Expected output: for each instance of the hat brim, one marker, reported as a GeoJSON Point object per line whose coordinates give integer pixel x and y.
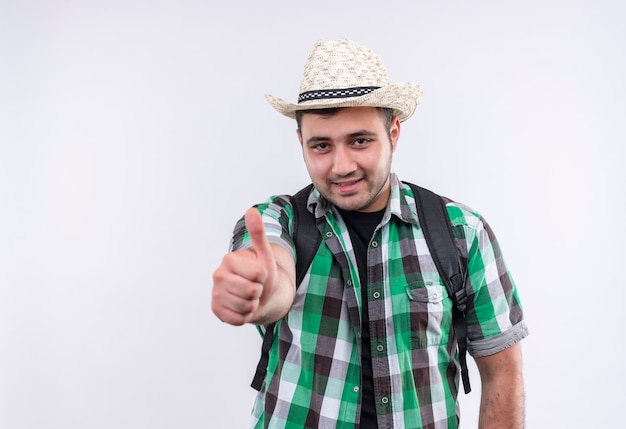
{"type": "Point", "coordinates": [402, 98]}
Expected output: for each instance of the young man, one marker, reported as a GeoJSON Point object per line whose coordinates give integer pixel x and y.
{"type": "Point", "coordinates": [366, 340]}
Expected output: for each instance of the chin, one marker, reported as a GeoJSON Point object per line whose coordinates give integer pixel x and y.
{"type": "Point", "coordinates": [354, 202]}
{"type": "Point", "coordinates": [350, 205]}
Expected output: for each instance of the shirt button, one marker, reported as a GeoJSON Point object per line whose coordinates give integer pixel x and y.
{"type": "Point", "coordinates": [384, 400]}
{"type": "Point", "coordinates": [380, 348]}
{"type": "Point", "coordinates": [356, 389]}
{"type": "Point", "coordinates": [376, 295]}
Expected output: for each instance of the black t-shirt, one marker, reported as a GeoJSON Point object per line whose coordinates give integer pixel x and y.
{"type": "Point", "coordinates": [361, 227]}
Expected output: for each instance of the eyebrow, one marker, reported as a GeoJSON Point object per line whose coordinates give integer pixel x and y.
{"type": "Point", "coordinates": [360, 133]}
{"type": "Point", "coordinates": [317, 139]}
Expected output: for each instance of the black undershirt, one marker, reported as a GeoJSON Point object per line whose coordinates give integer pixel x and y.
{"type": "Point", "coordinates": [361, 227]}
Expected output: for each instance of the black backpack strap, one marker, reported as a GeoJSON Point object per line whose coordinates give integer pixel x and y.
{"type": "Point", "coordinates": [306, 236]}
{"type": "Point", "coordinates": [306, 239]}
{"type": "Point", "coordinates": [437, 228]}
{"type": "Point", "coordinates": [261, 368]}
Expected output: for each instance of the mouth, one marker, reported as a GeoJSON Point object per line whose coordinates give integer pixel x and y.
{"type": "Point", "coordinates": [348, 186]}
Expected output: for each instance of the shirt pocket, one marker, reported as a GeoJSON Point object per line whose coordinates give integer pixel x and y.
{"type": "Point", "coordinates": [430, 314]}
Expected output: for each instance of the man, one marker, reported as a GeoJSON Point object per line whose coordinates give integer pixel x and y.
{"type": "Point", "coordinates": [366, 339]}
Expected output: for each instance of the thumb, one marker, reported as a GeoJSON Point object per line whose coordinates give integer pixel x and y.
{"type": "Point", "coordinates": [260, 244]}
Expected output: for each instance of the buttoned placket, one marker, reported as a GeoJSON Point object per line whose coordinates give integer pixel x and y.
{"type": "Point", "coordinates": [334, 244]}
{"type": "Point", "coordinates": [376, 306]}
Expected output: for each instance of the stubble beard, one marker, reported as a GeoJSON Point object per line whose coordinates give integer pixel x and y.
{"type": "Point", "coordinates": [345, 204]}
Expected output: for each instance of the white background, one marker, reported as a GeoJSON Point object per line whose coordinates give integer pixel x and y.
{"type": "Point", "coordinates": [134, 133]}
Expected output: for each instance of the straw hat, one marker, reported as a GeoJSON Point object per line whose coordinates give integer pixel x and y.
{"type": "Point", "coordinates": [342, 73]}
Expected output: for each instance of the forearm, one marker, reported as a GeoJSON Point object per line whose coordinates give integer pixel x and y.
{"type": "Point", "coordinates": [502, 399]}
{"type": "Point", "coordinates": [502, 404]}
{"type": "Point", "coordinates": [277, 300]}
{"type": "Point", "coordinates": [276, 305]}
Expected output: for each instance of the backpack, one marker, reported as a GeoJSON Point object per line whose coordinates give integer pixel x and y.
{"type": "Point", "coordinates": [435, 222]}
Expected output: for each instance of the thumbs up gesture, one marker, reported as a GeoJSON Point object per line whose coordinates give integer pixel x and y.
{"type": "Point", "coordinates": [246, 280]}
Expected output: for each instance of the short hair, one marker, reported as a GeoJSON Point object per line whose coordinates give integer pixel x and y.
{"type": "Point", "coordinates": [386, 113]}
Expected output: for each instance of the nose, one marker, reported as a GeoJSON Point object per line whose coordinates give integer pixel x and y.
{"type": "Point", "coordinates": [343, 163]}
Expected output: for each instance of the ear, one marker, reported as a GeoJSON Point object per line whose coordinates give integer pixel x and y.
{"type": "Point", "coordinates": [394, 133]}
{"type": "Point", "coordinates": [299, 134]}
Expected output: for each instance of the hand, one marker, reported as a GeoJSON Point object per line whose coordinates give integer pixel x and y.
{"type": "Point", "coordinates": [245, 277]}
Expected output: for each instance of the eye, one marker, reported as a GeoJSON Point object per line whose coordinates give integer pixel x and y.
{"type": "Point", "coordinates": [320, 147]}
{"type": "Point", "coordinates": [361, 141]}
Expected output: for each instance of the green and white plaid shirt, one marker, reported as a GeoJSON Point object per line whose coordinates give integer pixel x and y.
{"type": "Point", "coordinates": [314, 371]}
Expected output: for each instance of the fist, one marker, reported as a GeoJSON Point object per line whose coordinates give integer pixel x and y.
{"type": "Point", "coordinates": [245, 277]}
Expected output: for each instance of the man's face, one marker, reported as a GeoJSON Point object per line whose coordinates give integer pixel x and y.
{"type": "Point", "coordinates": [348, 156]}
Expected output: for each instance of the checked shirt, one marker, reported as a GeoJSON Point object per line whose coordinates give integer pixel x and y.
{"type": "Point", "coordinates": [314, 376]}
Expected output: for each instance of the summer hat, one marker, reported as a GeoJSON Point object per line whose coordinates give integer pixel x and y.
{"type": "Point", "coordinates": [342, 73]}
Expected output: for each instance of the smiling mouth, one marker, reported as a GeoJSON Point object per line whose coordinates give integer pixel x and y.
{"type": "Point", "coordinates": [351, 183]}
{"type": "Point", "coordinates": [348, 186]}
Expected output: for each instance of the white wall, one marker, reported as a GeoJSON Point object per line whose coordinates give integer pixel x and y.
{"type": "Point", "coordinates": [134, 133]}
